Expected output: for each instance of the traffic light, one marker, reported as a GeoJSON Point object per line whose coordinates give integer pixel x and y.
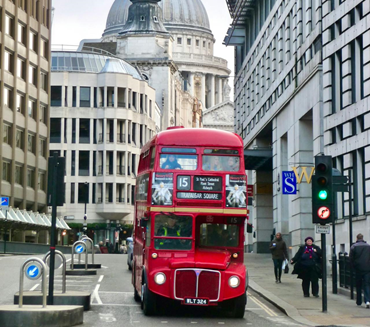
{"type": "Point", "coordinates": [322, 191]}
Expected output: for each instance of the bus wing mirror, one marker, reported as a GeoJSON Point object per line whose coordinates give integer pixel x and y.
{"type": "Point", "coordinates": [249, 229]}
{"type": "Point", "coordinates": [143, 222]}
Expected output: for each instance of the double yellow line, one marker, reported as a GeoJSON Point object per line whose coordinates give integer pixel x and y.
{"type": "Point", "coordinates": [263, 306]}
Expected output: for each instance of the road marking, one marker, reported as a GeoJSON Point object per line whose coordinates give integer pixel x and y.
{"type": "Point", "coordinates": [116, 305]}
{"type": "Point", "coordinates": [33, 288]}
{"type": "Point", "coordinates": [95, 295]}
{"type": "Point", "coordinates": [164, 322]}
{"type": "Point", "coordinates": [193, 322]}
{"type": "Point", "coordinates": [100, 278]}
{"type": "Point", "coordinates": [254, 309]}
{"type": "Point", "coordinates": [221, 323]}
{"type": "Point", "coordinates": [104, 267]}
{"type": "Point", "coordinates": [107, 317]}
{"type": "Point", "coordinates": [108, 292]}
{"type": "Point", "coordinates": [264, 307]}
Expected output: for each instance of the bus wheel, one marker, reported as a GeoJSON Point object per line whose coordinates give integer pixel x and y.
{"type": "Point", "coordinates": [239, 306]}
{"type": "Point", "coordinates": [149, 301]}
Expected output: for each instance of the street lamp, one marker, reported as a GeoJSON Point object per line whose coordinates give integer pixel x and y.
{"type": "Point", "coordinates": [5, 228]}
{"type": "Point", "coordinates": [86, 200]}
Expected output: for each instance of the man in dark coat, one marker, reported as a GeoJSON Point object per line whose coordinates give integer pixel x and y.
{"type": "Point", "coordinates": [308, 266]}
{"type": "Point", "coordinates": [360, 260]}
{"type": "Point", "coordinates": [279, 254]}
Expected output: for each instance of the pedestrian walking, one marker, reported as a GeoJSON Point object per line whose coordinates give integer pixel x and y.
{"type": "Point", "coordinates": [360, 260]}
{"type": "Point", "coordinates": [308, 266]}
{"type": "Point", "coordinates": [279, 254]}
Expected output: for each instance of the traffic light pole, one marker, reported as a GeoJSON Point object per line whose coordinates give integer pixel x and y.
{"type": "Point", "coordinates": [53, 227]}
{"type": "Point", "coordinates": [324, 275]}
{"type": "Point", "coordinates": [350, 226]}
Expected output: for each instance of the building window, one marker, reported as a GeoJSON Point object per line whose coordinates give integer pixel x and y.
{"type": "Point", "coordinates": [31, 143]}
{"type": "Point", "coordinates": [84, 163]}
{"type": "Point", "coordinates": [31, 108]}
{"type": "Point", "coordinates": [209, 45]}
{"type": "Point", "coordinates": [22, 34]}
{"type": "Point", "coordinates": [21, 68]}
{"type": "Point", "coordinates": [56, 96]}
{"type": "Point", "coordinates": [19, 139]}
{"type": "Point", "coordinates": [9, 62]}
{"type": "Point", "coordinates": [155, 19]}
{"type": "Point", "coordinates": [197, 43]}
{"type": "Point", "coordinates": [42, 149]}
{"type": "Point", "coordinates": [7, 134]}
{"type": "Point", "coordinates": [19, 175]}
{"type": "Point", "coordinates": [179, 40]}
{"type": "Point", "coordinates": [55, 130]}
{"type": "Point", "coordinates": [20, 103]}
{"type": "Point", "coordinates": [83, 193]}
{"type": "Point", "coordinates": [44, 48]}
{"type": "Point", "coordinates": [44, 81]}
{"type": "Point", "coordinates": [84, 97]}
{"type": "Point", "coordinates": [6, 171]}
{"type": "Point", "coordinates": [142, 18]}
{"type": "Point", "coordinates": [9, 26]}
{"type": "Point", "coordinates": [189, 41]}
{"type": "Point", "coordinates": [42, 181]}
{"type": "Point", "coordinates": [8, 96]}
{"type": "Point", "coordinates": [204, 44]}
{"type": "Point", "coordinates": [30, 177]}
{"type": "Point", "coordinates": [32, 75]}
{"type": "Point", "coordinates": [42, 113]}
{"type": "Point", "coordinates": [85, 131]}
{"type": "Point", "coordinates": [33, 42]}
{"type": "Point", "coordinates": [72, 192]}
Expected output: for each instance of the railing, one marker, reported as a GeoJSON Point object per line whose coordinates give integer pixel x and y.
{"type": "Point", "coordinates": [99, 200]}
{"type": "Point", "coordinates": [345, 271]}
{"type": "Point", "coordinates": [109, 137]}
{"type": "Point", "coordinates": [120, 200]}
{"type": "Point", "coordinates": [122, 104]}
{"type": "Point", "coordinates": [200, 57]}
{"type": "Point", "coordinates": [108, 171]}
{"type": "Point", "coordinates": [100, 138]}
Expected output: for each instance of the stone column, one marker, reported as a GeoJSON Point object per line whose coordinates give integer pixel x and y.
{"type": "Point", "coordinates": [219, 94]}
{"type": "Point", "coordinates": [191, 83]}
{"type": "Point", "coordinates": [203, 91]}
{"type": "Point", "coordinates": [211, 91]}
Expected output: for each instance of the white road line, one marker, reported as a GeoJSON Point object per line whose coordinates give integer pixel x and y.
{"type": "Point", "coordinates": [104, 267]}
{"type": "Point", "coordinates": [100, 278]}
{"type": "Point", "coordinates": [116, 305]}
{"type": "Point", "coordinates": [33, 288]}
{"type": "Point", "coordinates": [96, 292]}
{"type": "Point", "coordinates": [68, 260]}
{"type": "Point", "coordinates": [108, 292]}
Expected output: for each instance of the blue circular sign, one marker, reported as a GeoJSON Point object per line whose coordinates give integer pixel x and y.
{"type": "Point", "coordinates": [80, 248]}
{"type": "Point", "coordinates": [33, 271]}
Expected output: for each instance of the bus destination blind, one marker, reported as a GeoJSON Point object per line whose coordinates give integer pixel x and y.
{"type": "Point", "coordinates": [199, 196]}
{"type": "Point", "coordinates": [208, 183]}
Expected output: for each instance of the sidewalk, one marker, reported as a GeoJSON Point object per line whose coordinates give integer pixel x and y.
{"type": "Point", "coordinates": [288, 296]}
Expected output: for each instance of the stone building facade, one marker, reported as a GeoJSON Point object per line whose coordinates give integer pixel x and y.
{"type": "Point", "coordinates": [302, 88]}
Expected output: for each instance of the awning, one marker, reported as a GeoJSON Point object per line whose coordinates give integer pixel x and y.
{"type": "Point", "coordinates": [29, 219]}
{"type": "Point", "coordinates": [258, 159]}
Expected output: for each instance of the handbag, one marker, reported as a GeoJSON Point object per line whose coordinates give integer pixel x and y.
{"type": "Point", "coordinates": [286, 266]}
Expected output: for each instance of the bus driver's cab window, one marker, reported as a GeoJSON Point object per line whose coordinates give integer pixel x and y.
{"type": "Point", "coordinates": [172, 229]}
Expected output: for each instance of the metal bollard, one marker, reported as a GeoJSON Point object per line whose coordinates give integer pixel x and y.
{"type": "Point", "coordinates": [73, 251]}
{"type": "Point", "coordinates": [64, 268]}
{"type": "Point", "coordinates": [92, 246]}
{"type": "Point", "coordinates": [43, 284]}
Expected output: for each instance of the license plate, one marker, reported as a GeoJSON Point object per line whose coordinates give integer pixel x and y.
{"type": "Point", "coordinates": [195, 301]}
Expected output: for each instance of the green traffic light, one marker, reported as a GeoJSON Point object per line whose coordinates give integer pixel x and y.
{"type": "Point", "coordinates": [323, 195]}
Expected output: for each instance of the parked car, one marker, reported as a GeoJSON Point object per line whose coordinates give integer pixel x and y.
{"type": "Point", "coordinates": [130, 251]}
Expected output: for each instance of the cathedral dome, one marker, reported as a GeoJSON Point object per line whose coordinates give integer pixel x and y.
{"type": "Point", "coordinates": [176, 14]}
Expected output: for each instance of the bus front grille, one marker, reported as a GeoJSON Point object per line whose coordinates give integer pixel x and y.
{"type": "Point", "coordinates": [198, 283]}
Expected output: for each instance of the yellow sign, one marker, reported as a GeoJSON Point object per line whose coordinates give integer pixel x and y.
{"type": "Point", "coordinates": [304, 173]}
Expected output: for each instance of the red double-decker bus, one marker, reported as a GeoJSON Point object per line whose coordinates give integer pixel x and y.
{"type": "Point", "coordinates": [190, 211]}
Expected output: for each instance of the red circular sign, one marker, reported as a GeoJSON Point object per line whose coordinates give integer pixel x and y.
{"type": "Point", "coordinates": [323, 212]}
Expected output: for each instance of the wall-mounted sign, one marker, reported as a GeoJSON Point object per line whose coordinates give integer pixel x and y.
{"type": "Point", "coordinates": [289, 182]}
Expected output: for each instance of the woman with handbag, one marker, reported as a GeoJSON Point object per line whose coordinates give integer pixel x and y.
{"type": "Point", "coordinates": [279, 254]}
{"type": "Point", "coordinates": [308, 266]}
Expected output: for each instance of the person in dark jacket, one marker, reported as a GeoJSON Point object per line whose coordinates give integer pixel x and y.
{"type": "Point", "coordinates": [279, 254]}
{"type": "Point", "coordinates": [360, 260]}
{"type": "Point", "coordinates": [308, 266]}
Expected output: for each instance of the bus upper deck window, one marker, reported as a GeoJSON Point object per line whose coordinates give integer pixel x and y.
{"type": "Point", "coordinates": [220, 163]}
{"type": "Point", "coordinates": [152, 158]}
{"type": "Point", "coordinates": [178, 161]}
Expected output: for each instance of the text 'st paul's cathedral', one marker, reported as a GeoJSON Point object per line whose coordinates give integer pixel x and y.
{"type": "Point", "coordinates": [171, 43]}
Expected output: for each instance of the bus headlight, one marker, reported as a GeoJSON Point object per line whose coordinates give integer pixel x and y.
{"type": "Point", "coordinates": [234, 281]}
{"type": "Point", "coordinates": [160, 278]}
{"type": "Point", "coordinates": [235, 255]}
{"type": "Point", "coordinates": [154, 255]}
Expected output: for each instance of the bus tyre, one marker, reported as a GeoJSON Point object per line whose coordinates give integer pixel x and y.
{"type": "Point", "coordinates": [149, 301]}
{"type": "Point", "coordinates": [239, 306]}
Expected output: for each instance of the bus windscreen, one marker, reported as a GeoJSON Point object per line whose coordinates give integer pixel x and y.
{"type": "Point", "coordinates": [220, 163]}
{"type": "Point", "coordinates": [223, 235]}
{"type": "Point", "coordinates": [178, 161]}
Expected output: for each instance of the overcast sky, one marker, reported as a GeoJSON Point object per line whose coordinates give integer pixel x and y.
{"type": "Point", "coordinates": [75, 20]}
